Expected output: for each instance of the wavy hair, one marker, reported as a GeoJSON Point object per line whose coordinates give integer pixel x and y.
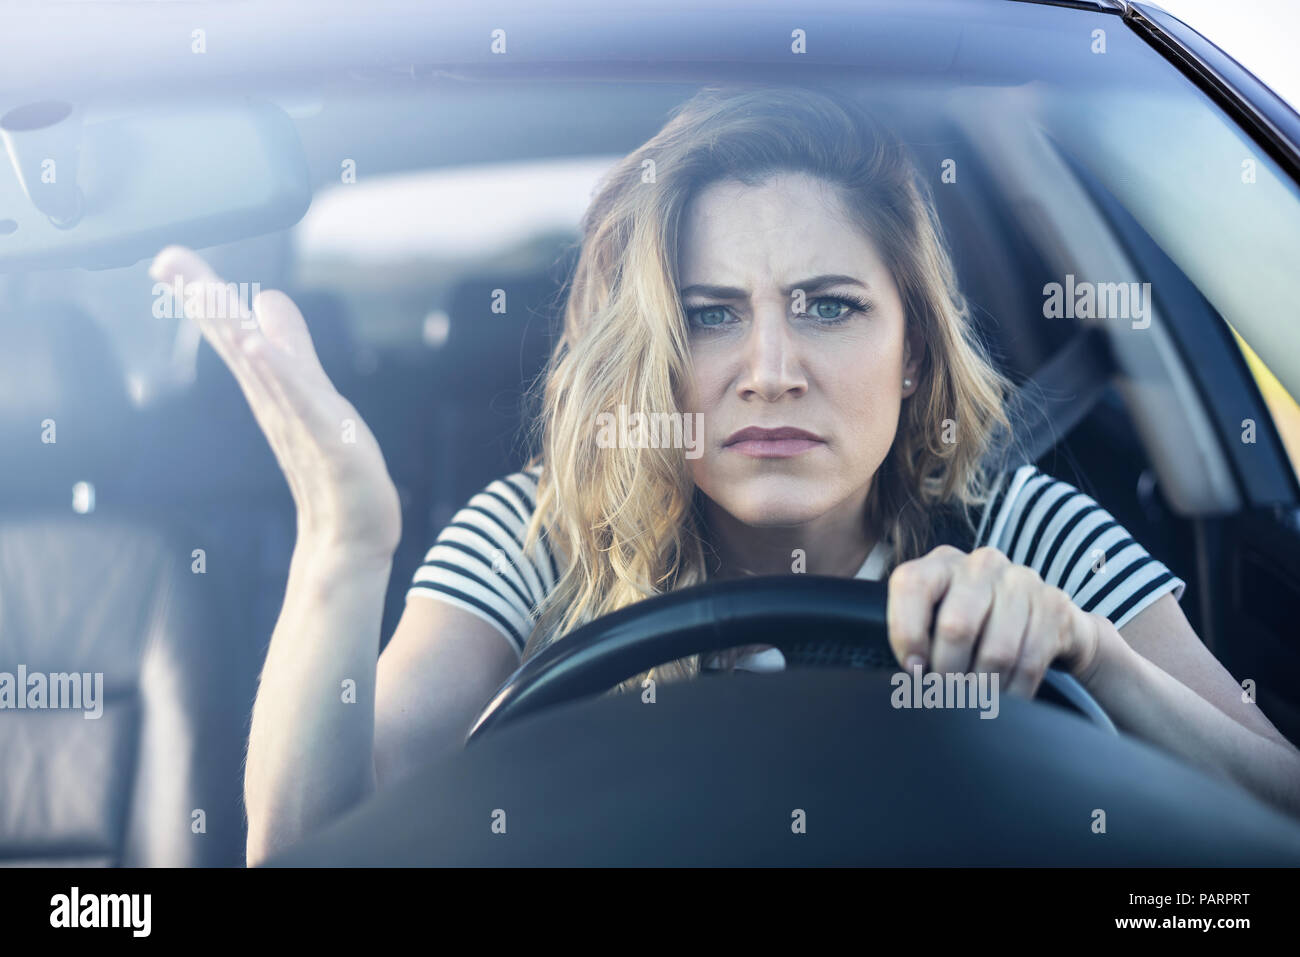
{"type": "Point", "coordinates": [625, 523]}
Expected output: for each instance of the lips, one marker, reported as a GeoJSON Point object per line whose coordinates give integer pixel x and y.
{"type": "Point", "coordinates": [777, 443]}
{"type": "Point", "coordinates": [755, 434]}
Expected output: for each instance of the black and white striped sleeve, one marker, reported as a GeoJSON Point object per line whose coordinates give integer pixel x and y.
{"type": "Point", "coordinates": [477, 562]}
{"type": "Point", "coordinates": [1076, 545]}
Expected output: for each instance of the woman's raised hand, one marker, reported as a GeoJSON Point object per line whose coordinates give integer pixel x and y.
{"type": "Point", "coordinates": [340, 484]}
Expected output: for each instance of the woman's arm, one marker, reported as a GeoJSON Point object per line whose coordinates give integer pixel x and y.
{"type": "Point", "coordinates": [311, 742]}
{"type": "Point", "coordinates": [311, 746]}
{"type": "Point", "coordinates": [1157, 680]}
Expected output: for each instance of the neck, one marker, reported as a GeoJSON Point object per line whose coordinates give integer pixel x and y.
{"type": "Point", "coordinates": [835, 544]}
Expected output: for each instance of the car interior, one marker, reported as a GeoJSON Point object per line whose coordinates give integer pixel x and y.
{"type": "Point", "coordinates": [152, 540]}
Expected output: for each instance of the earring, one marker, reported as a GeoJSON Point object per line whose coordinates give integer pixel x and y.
{"type": "Point", "coordinates": [907, 383]}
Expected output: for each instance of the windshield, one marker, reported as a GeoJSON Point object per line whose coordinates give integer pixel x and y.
{"type": "Point", "coordinates": [422, 186]}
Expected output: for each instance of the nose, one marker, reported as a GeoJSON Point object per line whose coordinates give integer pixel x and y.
{"type": "Point", "coordinates": [772, 363]}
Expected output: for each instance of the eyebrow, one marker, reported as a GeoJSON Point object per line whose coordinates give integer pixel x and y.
{"type": "Point", "coordinates": [807, 285]}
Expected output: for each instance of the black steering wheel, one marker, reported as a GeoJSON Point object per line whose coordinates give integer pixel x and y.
{"type": "Point", "coordinates": [815, 621]}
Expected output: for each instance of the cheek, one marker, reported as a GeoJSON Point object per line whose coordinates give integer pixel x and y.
{"type": "Point", "coordinates": [866, 390]}
{"type": "Point", "coordinates": [699, 396]}
{"type": "Point", "coordinates": [869, 366]}
{"type": "Point", "coordinates": [704, 389]}
{"type": "Point", "coordinates": [868, 410]}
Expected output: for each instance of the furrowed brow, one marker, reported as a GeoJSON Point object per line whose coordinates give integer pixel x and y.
{"type": "Point", "coordinates": [808, 285]}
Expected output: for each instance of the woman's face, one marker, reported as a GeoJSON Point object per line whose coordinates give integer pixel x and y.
{"type": "Point", "coordinates": [750, 258]}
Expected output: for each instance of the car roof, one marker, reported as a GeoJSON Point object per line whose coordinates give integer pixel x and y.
{"type": "Point", "coordinates": [108, 48]}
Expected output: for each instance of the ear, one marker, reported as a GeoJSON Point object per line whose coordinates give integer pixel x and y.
{"type": "Point", "coordinates": [913, 353]}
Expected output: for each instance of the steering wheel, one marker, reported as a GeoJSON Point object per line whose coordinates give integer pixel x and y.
{"type": "Point", "coordinates": [815, 621]}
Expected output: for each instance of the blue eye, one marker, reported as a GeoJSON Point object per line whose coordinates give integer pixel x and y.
{"type": "Point", "coordinates": [847, 306]}
{"type": "Point", "coordinates": [824, 311]}
{"type": "Point", "coordinates": [839, 304]}
{"type": "Point", "coordinates": [716, 316]}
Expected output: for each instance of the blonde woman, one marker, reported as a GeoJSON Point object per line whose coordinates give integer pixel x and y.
{"type": "Point", "coordinates": [781, 280]}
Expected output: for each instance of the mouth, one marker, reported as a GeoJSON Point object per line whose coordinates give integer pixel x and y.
{"type": "Point", "coordinates": [772, 443]}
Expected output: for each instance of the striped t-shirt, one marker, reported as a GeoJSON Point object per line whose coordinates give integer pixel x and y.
{"type": "Point", "coordinates": [477, 562]}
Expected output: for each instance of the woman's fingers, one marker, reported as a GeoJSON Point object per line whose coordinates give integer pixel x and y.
{"type": "Point", "coordinates": [207, 301]}
{"type": "Point", "coordinates": [1007, 629]}
{"type": "Point", "coordinates": [915, 588]}
{"type": "Point", "coordinates": [1051, 616]}
{"type": "Point", "coordinates": [332, 463]}
{"type": "Point", "coordinates": [204, 297]}
{"type": "Point", "coordinates": [283, 324]}
{"type": "Point", "coordinates": [234, 333]}
{"type": "Point", "coordinates": [173, 261]}
{"type": "Point", "coordinates": [230, 325]}
{"type": "Point", "coordinates": [964, 610]}
{"type": "Point", "coordinates": [957, 613]}
{"type": "Point", "coordinates": [303, 407]}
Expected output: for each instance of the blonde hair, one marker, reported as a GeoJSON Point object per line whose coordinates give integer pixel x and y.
{"type": "Point", "coordinates": [625, 522]}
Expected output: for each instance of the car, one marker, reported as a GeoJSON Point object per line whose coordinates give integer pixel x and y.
{"type": "Point", "coordinates": [1123, 205]}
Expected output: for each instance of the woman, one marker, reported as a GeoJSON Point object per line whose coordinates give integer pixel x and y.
{"type": "Point", "coordinates": [769, 266]}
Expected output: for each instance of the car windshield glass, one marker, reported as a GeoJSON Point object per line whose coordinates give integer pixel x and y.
{"type": "Point", "coordinates": [1077, 86]}
{"type": "Point", "coordinates": [598, 349]}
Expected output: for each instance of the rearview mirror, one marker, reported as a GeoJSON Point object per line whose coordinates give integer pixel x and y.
{"type": "Point", "coordinates": [108, 193]}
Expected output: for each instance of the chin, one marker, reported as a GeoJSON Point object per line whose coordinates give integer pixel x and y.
{"type": "Point", "coordinates": [776, 500]}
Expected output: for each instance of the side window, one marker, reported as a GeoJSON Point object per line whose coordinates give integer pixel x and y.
{"type": "Point", "coordinates": [1282, 406]}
